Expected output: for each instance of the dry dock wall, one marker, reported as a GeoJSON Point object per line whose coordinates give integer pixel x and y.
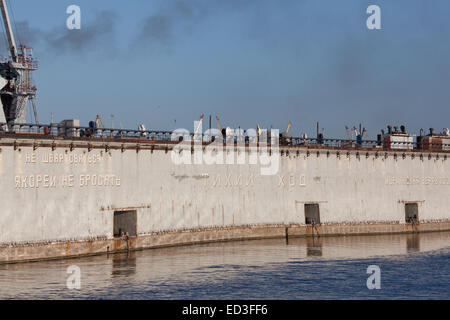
{"type": "Point", "coordinates": [61, 193]}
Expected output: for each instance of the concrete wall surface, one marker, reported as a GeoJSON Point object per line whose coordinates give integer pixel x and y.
{"type": "Point", "coordinates": [61, 193]}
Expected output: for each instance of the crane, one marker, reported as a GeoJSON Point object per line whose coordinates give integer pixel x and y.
{"type": "Point", "coordinates": [359, 136]}
{"type": "Point", "coordinates": [198, 126]}
{"type": "Point", "coordinates": [286, 137]}
{"type": "Point", "coordinates": [288, 127]}
{"type": "Point", "coordinates": [99, 124]}
{"type": "Point", "coordinates": [218, 123]}
{"type": "Point", "coordinates": [16, 88]}
{"type": "Point", "coordinates": [355, 131]}
{"type": "Point", "coordinates": [364, 133]}
{"type": "Point", "coordinates": [348, 133]}
{"type": "Point", "coordinates": [9, 32]}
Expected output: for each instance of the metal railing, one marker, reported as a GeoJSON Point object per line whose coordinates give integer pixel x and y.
{"type": "Point", "coordinates": [87, 133]}
{"type": "Point", "coordinates": [59, 130]}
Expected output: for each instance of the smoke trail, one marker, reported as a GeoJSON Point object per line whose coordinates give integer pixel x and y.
{"type": "Point", "coordinates": [60, 40]}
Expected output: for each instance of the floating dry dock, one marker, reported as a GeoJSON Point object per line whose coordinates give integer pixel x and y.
{"type": "Point", "coordinates": [69, 191]}
{"type": "Point", "coordinates": [65, 196]}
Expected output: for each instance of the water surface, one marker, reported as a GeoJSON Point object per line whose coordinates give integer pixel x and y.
{"type": "Point", "coordinates": [412, 267]}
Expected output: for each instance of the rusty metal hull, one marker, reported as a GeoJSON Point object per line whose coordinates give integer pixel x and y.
{"type": "Point", "coordinates": [74, 249]}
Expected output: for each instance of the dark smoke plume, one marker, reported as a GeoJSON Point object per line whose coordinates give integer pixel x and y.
{"type": "Point", "coordinates": [61, 40]}
{"type": "Point", "coordinates": [160, 27]}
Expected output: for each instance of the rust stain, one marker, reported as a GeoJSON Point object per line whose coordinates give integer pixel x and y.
{"type": "Point", "coordinates": [308, 230]}
{"type": "Point", "coordinates": [117, 244]}
{"type": "Point", "coordinates": [229, 233]}
{"type": "Point", "coordinates": [179, 177]}
{"type": "Point", "coordinates": [133, 242]}
{"type": "Point", "coordinates": [108, 208]}
{"type": "Point", "coordinates": [164, 144]}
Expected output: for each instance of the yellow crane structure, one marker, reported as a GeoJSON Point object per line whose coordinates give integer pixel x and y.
{"type": "Point", "coordinates": [286, 136]}
{"type": "Point", "coordinates": [288, 127]}
{"type": "Point", "coordinates": [218, 124]}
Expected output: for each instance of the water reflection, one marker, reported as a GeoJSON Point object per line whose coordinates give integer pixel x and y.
{"type": "Point", "coordinates": [314, 247]}
{"type": "Point", "coordinates": [152, 270]}
{"type": "Point", "coordinates": [123, 264]}
{"type": "Point", "coordinates": [413, 242]}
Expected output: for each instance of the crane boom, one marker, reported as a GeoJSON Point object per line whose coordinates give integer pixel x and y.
{"type": "Point", "coordinates": [348, 134]}
{"type": "Point", "coordinates": [288, 127]}
{"type": "Point", "coordinates": [218, 124]}
{"type": "Point", "coordinates": [9, 32]}
{"type": "Point", "coordinates": [199, 124]}
{"type": "Point", "coordinates": [99, 122]}
{"type": "Point", "coordinates": [365, 134]}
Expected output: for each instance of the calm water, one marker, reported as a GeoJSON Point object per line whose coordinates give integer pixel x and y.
{"type": "Point", "coordinates": [412, 266]}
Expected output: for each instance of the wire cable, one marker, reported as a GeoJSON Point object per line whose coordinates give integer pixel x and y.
{"type": "Point", "coordinates": [15, 24]}
{"type": "Point", "coordinates": [5, 40]}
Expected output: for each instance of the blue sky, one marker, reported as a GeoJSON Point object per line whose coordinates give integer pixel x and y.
{"type": "Point", "coordinates": [247, 61]}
